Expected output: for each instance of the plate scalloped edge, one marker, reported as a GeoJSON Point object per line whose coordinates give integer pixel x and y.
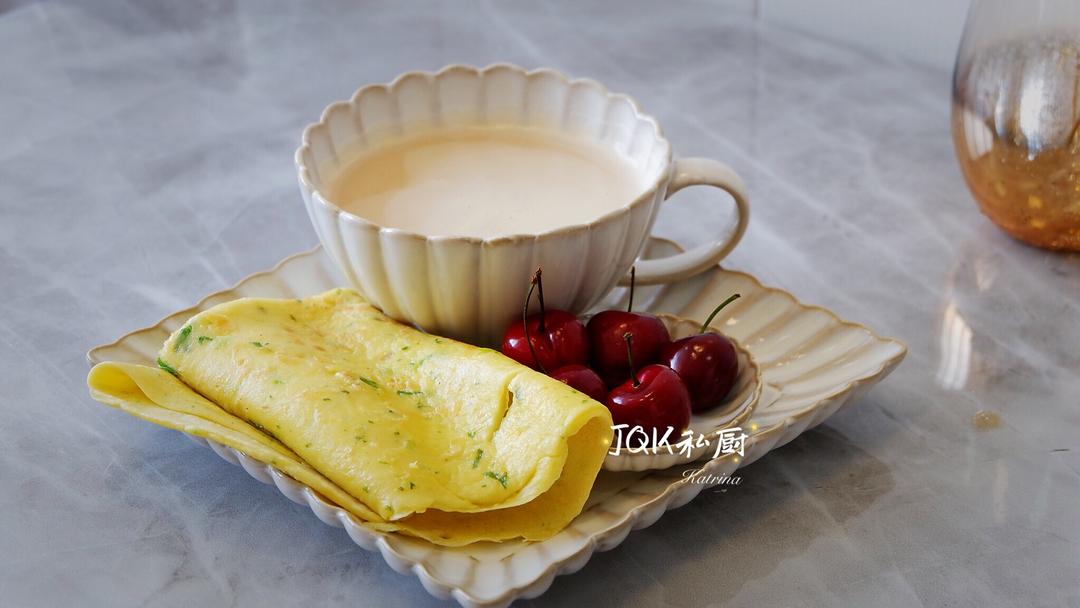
{"type": "Point", "coordinates": [762, 439]}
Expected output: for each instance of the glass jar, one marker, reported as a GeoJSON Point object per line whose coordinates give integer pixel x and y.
{"type": "Point", "coordinates": [1016, 117]}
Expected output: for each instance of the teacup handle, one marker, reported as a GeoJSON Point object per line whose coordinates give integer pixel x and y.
{"type": "Point", "coordinates": [697, 172]}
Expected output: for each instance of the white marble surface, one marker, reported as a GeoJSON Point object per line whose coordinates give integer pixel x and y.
{"type": "Point", "coordinates": [146, 160]}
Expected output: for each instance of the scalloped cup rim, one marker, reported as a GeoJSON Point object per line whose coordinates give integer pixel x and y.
{"type": "Point", "coordinates": [652, 185]}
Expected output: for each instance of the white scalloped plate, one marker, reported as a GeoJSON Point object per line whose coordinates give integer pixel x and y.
{"type": "Point", "coordinates": [812, 364]}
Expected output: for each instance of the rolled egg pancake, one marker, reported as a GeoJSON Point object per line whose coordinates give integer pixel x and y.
{"type": "Point", "coordinates": [416, 433]}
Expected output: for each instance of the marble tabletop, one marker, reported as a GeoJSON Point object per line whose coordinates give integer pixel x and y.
{"type": "Point", "coordinates": [146, 160]}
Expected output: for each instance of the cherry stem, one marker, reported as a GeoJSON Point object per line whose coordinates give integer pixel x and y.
{"type": "Point", "coordinates": [705, 325]}
{"type": "Point", "coordinates": [628, 337]}
{"type": "Point", "coordinates": [630, 304]}
{"type": "Point", "coordinates": [538, 280]}
{"type": "Point", "coordinates": [525, 321]}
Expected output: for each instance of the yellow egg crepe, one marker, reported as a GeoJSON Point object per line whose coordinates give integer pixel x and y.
{"type": "Point", "coordinates": [407, 431]}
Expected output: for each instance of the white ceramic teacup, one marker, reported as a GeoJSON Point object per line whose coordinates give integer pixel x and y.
{"type": "Point", "coordinates": [472, 288]}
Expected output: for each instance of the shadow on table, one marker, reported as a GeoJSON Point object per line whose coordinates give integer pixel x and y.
{"type": "Point", "coordinates": [728, 536]}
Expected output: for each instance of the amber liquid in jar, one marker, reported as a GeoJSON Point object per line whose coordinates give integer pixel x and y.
{"type": "Point", "coordinates": [1016, 126]}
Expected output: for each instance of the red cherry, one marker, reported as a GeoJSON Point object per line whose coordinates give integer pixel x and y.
{"type": "Point", "coordinates": [582, 379]}
{"type": "Point", "coordinates": [607, 343]}
{"type": "Point", "coordinates": [655, 400]}
{"type": "Point", "coordinates": [547, 340]}
{"type": "Point", "coordinates": [606, 330]}
{"type": "Point", "coordinates": [558, 338]}
{"type": "Point", "coordinates": [707, 363]}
